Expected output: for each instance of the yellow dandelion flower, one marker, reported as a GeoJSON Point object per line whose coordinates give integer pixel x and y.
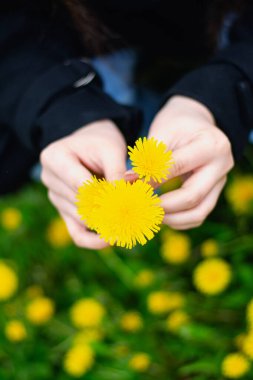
{"type": "Point", "coordinates": [234, 366]}
{"type": "Point", "coordinates": [11, 218]}
{"type": "Point", "coordinates": [89, 200]}
{"type": "Point", "coordinates": [176, 248]}
{"type": "Point", "coordinates": [140, 362]}
{"type": "Point", "coordinates": [40, 310]}
{"type": "Point", "coordinates": [78, 360]}
{"type": "Point", "coordinates": [57, 233]}
{"type": "Point", "coordinates": [240, 194]}
{"type": "Point", "coordinates": [247, 345]}
{"type": "Point", "coordinates": [176, 320]}
{"type": "Point", "coordinates": [121, 213]}
{"type": "Point", "coordinates": [15, 331]}
{"type": "Point", "coordinates": [8, 282]}
{"type": "Point", "coordinates": [160, 302]}
{"type": "Point", "coordinates": [87, 336]}
{"type": "Point", "coordinates": [144, 278]}
{"type": "Point", "coordinates": [87, 312]}
{"type": "Point", "coordinates": [212, 276]}
{"type": "Point", "coordinates": [151, 159]}
{"type": "Point", "coordinates": [131, 321]}
{"type": "Point", "coordinates": [249, 314]}
{"type": "Point", "coordinates": [209, 248]}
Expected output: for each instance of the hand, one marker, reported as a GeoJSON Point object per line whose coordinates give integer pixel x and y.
{"type": "Point", "coordinates": [66, 163]}
{"type": "Point", "coordinates": [201, 151]}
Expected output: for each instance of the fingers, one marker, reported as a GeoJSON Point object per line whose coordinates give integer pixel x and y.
{"type": "Point", "coordinates": [65, 166]}
{"type": "Point", "coordinates": [64, 206]}
{"type": "Point", "coordinates": [193, 191]}
{"type": "Point", "coordinates": [195, 216]}
{"type": "Point", "coordinates": [190, 157]}
{"type": "Point", "coordinates": [114, 163]}
{"type": "Point", "coordinates": [81, 236]}
{"type": "Point", "coordinates": [57, 186]}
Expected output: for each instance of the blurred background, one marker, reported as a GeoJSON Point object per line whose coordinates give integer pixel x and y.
{"type": "Point", "coordinates": [179, 308]}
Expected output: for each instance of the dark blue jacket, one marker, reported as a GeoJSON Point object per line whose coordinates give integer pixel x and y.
{"type": "Point", "coordinates": [47, 90]}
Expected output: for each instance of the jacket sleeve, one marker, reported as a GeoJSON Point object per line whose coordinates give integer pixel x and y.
{"type": "Point", "coordinates": [47, 90]}
{"type": "Point", "coordinates": [224, 85]}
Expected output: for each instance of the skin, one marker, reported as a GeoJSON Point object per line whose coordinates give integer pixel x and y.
{"type": "Point", "coordinates": [202, 154]}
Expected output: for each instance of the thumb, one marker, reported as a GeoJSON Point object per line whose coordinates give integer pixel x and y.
{"type": "Point", "coordinates": [114, 165]}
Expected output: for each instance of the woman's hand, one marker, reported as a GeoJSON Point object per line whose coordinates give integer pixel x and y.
{"type": "Point", "coordinates": [96, 148]}
{"type": "Point", "coordinates": [201, 151]}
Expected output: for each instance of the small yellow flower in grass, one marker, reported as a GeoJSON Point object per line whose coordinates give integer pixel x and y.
{"type": "Point", "coordinates": [131, 321]}
{"type": "Point", "coordinates": [234, 366]}
{"type": "Point", "coordinates": [78, 360]}
{"type": "Point", "coordinates": [120, 212]}
{"type": "Point", "coordinates": [151, 159]}
{"type": "Point", "coordinates": [144, 278]}
{"type": "Point", "coordinates": [209, 248]}
{"type": "Point", "coordinates": [15, 331]}
{"type": "Point", "coordinates": [57, 233]}
{"type": "Point", "coordinates": [160, 302]}
{"type": "Point", "coordinates": [8, 281]}
{"type": "Point", "coordinates": [247, 345]}
{"type": "Point", "coordinates": [212, 276]}
{"type": "Point", "coordinates": [11, 218]}
{"type": "Point", "coordinates": [249, 314]}
{"type": "Point", "coordinates": [176, 248]}
{"type": "Point", "coordinates": [176, 320]}
{"type": "Point", "coordinates": [140, 362]}
{"type": "Point", "coordinates": [40, 310]}
{"type": "Point", "coordinates": [87, 336]}
{"type": "Point", "coordinates": [87, 312]}
{"type": "Point", "coordinates": [240, 194]}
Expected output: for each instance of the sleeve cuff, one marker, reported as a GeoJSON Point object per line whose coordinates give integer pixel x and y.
{"type": "Point", "coordinates": [65, 98]}
{"type": "Point", "coordinates": [222, 88]}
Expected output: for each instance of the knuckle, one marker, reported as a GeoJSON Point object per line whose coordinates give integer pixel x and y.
{"type": "Point", "coordinates": [193, 199]}
{"type": "Point", "coordinates": [177, 168]}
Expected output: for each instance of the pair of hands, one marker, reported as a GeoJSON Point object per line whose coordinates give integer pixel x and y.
{"type": "Point", "coordinates": [202, 153]}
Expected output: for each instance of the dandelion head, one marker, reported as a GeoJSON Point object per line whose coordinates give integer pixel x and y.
{"type": "Point", "coordinates": [176, 320]}
{"type": "Point", "coordinates": [15, 331]}
{"type": "Point", "coordinates": [131, 321]}
{"type": "Point", "coordinates": [78, 360]}
{"type": "Point", "coordinates": [209, 248]}
{"type": "Point", "coordinates": [247, 345]}
{"type": "Point", "coordinates": [40, 310]}
{"type": "Point", "coordinates": [176, 248]}
{"type": "Point", "coordinates": [57, 233]}
{"type": "Point", "coordinates": [151, 159]}
{"type": "Point", "coordinates": [120, 212]}
{"type": "Point", "coordinates": [212, 276]}
{"type": "Point", "coordinates": [87, 312]}
{"type": "Point", "coordinates": [8, 283]}
{"type": "Point", "coordinates": [140, 362]}
{"type": "Point", "coordinates": [235, 365]}
{"type": "Point", "coordinates": [240, 194]}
